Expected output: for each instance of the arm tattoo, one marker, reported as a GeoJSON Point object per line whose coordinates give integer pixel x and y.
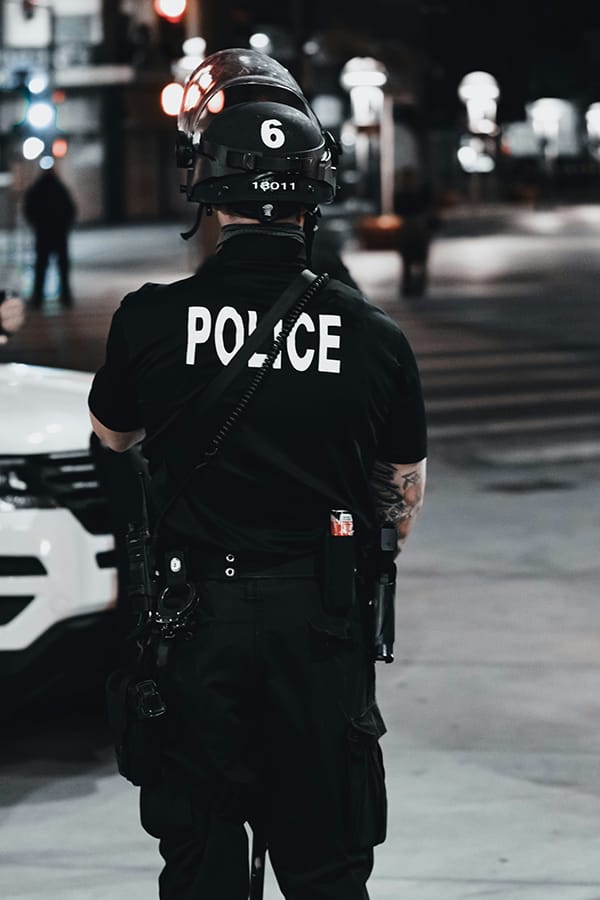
{"type": "Point", "coordinates": [398, 495]}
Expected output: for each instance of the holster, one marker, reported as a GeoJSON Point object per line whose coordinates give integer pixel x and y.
{"type": "Point", "coordinates": [339, 571]}
{"type": "Point", "coordinates": [377, 590]}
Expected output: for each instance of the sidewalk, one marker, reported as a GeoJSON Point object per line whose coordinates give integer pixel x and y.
{"type": "Point", "coordinates": [493, 743]}
{"type": "Point", "coordinates": [493, 751]}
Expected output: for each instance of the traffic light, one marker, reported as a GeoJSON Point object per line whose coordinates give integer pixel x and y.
{"type": "Point", "coordinates": [59, 147]}
{"type": "Point", "coordinates": [38, 128]}
{"type": "Point", "coordinates": [41, 114]}
{"type": "Point", "coordinates": [171, 10]}
{"type": "Point", "coordinates": [171, 27]}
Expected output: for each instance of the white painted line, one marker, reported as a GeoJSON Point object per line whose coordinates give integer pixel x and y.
{"type": "Point", "coordinates": [488, 360]}
{"type": "Point", "coordinates": [501, 376]}
{"type": "Point", "coordinates": [546, 453]}
{"type": "Point", "coordinates": [513, 426]}
{"type": "Point", "coordinates": [488, 401]}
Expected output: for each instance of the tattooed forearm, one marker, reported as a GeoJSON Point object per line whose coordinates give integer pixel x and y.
{"type": "Point", "coordinates": [398, 491]}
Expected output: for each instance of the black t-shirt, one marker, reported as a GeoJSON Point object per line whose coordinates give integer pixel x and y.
{"type": "Point", "coordinates": [344, 392]}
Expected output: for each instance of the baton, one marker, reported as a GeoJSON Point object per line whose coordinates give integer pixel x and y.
{"type": "Point", "coordinates": [257, 867]}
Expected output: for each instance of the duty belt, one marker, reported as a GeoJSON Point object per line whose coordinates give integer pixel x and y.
{"type": "Point", "coordinates": [230, 565]}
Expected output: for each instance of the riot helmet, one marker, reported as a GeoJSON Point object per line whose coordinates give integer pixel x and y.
{"type": "Point", "coordinates": [250, 141]}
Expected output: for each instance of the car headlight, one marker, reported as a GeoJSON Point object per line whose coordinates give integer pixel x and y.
{"type": "Point", "coordinates": [16, 489]}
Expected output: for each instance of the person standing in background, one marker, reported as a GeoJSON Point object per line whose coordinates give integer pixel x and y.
{"type": "Point", "coordinates": [50, 211]}
{"type": "Point", "coordinates": [413, 202]}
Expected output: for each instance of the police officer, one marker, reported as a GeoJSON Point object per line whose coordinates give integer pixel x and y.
{"type": "Point", "coordinates": [271, 710]}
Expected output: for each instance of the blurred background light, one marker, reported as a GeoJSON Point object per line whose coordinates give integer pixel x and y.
{"type": "Point", "coordinates": [194, 46]}
{"type": "Point", "coordinates": [59, 148]}
{"type": "Point", "coordinates": [546, 114]}
{"type": "Point", "coordinates": [363, 71]}
{"type": "Point", "coordinates": [40, 114]}
{"type": "Point", "coordinates": [32, 147]}
{"type": "Point", "coordinates": [474, 158]}
{"type": "Point", "coordinates": [479, 92]}
{"type": "Point", "coordinates": [260, 41]}
{"type": "Point", "coordinates": [37, 84]}
{"type": "Point", "coordinates": [172, 10]}
{"type": "Point", "coordinates": [171, 97]}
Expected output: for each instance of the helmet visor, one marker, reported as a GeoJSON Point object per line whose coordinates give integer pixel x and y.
{"type": "Point", "coordinates": [230, 77]}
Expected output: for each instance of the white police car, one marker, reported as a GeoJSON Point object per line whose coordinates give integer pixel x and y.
{"type": "Point", "coordinates": [58, 581]}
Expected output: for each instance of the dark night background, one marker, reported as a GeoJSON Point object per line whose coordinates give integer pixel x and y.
{"type": "Point", "coordinates": [532, 48]}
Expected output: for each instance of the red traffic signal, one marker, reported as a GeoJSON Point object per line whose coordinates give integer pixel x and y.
{"type": "Point", "coordinates": [171, 10]}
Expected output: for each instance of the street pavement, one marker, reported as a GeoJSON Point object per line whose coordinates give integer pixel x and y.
{"type": "Point", "coordinates": [493, 744]}
{"type": "Point", "coordinates": [507, 338]}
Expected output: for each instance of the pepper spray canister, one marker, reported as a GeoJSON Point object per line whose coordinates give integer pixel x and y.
{"type": "Point", "coordinates": [340, 563]}
{"type": "Point", "coordinates": [341, 523]}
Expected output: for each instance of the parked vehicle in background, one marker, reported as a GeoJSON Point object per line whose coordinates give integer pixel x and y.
{"type": "Point", "coordinates": [58, 581]}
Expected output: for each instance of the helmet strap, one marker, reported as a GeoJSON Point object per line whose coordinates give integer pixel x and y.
{"type": "Point", "coordinates": [186, 235]}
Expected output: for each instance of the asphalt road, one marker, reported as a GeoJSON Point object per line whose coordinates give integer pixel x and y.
{"type": "Point", "coordinates": [507, 337]}
{"type": "Point", "coordinates": [493, 743]}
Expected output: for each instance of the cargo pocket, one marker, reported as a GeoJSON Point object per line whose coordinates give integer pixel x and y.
{"type": "Point", "coordinates": [136, 717]}
{"type": "Point", "coordinates": [166, 806]}
{"type": "Point", "coordinates": [328, 636]}
{"type": "Point", "coordinates": [368, 803]}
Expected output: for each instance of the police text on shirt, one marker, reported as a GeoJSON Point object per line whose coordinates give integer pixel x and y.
{"type": "Point", "coordinates": [311, 341]}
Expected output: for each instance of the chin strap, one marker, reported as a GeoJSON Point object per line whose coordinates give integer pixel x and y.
{"type": "Point", "coordinates": [186, 235]}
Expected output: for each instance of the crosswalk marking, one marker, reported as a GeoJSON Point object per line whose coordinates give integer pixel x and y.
{"type": "Point", "coordinates": [450, 378]}
{"type": "Point", "coordinates": [513, 426]}
{"type": "Point", "coordinates": [489, 401]}
{"type": "Point", "coordinates": [508, 359]}
{"type": "Point", "coordinates": [502, 400]}
{"type": "Point", "coordinates": [500, 386]}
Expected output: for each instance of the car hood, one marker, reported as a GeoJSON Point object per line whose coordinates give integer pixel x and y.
{"type": "Point", "coordinates": [42, 409]}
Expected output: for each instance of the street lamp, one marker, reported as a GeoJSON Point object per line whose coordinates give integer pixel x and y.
{"type": "Point", "coordinates": [476, 154]}
{"type": "Point", "coordinates": [364, 79]}
{"type": "Point", "coordinates": [546, 114]}
{"type": "Point", "coordinates": [592, 123]}
{"type": "Point", "coordinates": [479, 92]}
{"type": "Point", "coordinates": [172, 93]}
{"type": "Point", "coordinates": [193, 53]}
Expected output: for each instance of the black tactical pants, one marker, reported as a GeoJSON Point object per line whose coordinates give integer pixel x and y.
{"type": "Point", "coordinates": [272, 721]}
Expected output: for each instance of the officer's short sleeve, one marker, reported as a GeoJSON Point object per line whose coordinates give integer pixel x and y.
{"type": "Point", "coordinates": [403, 438]}
{"type": "Point", "coordinates": [112, 397]}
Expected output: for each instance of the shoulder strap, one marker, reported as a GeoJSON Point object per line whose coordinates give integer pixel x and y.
{"type": "Point", "coordinates": [294, 299]}
{"type": "Point", "coordinates": [210, 392]}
